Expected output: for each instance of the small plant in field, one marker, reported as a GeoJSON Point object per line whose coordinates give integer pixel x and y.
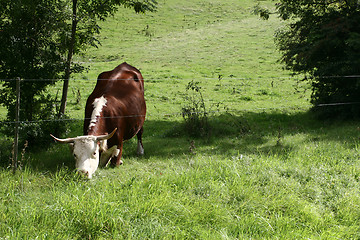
{"type": "Point", "coordinates": [194, 111]}
{"type": "Point", "coordinates": [219, 78]}
{"type": "Point", "coordinates": [147, 32]}
{"type": "Point", "coordinates": [279, 138]}
{"type": "Point", "coordinates": [192, 147]}
{"type": "Point", "coordinates": [15, 163]}
{"type": "Point", "coordinates": [77, 95]}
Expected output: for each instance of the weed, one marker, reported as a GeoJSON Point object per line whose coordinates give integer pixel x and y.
{"type": "Point", "coordinates": [194, 111]}
{"type": "Point", "coordinates": [147, 32]}
{"type": "Point", "coordinates": [192, 148]}
{"type": "Point", "coordinates": [19, 163]}
{"type": "Point", "coordinates": [279, 138]}
{"type": "Point", "coordinates": [77, 95]}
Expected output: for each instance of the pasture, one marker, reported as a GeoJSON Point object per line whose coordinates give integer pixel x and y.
{"type": "Point", "coordinates": [266, 169]}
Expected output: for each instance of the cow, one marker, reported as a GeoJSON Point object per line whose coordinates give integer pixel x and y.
{"type": "Point", "coordinates": [115, 111]}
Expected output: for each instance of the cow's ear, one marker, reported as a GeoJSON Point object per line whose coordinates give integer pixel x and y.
{"type": "Point", "coordinates": [107, 155]}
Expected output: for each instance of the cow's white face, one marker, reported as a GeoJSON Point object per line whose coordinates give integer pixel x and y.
{"type": "Point", "coordinates": [86, 153]}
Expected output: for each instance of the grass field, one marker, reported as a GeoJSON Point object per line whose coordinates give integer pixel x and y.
{"type": "Point", "coordinates": [267, 169]}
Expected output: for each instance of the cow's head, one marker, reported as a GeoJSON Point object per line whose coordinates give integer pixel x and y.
{"type": "Point", "coordinates": [86, 151]}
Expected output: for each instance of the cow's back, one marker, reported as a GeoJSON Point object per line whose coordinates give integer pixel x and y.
{"type": "Point", "coordinates": [125, 108]}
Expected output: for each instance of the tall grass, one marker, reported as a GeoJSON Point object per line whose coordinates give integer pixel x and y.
{"type": "Point", "coordinates": [283, 194]}
{"type": "Point", "coordinates": [266, 170]}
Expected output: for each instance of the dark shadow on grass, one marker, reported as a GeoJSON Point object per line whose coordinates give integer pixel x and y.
{"type": "Point", "coordinates": [229, 135]}
{"type": "Point", "coordinates": [244, 133]}
{"type": "Point", "coordinates": [57, 156]}
{"type": "Point", "coordinates": [45, 155]}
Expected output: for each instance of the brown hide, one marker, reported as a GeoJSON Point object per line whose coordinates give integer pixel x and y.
{"type": "Point", "coordinates": [125, 109]}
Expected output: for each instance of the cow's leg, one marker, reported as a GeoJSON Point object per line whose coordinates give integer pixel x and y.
{"type": "Point", "coordinates": [107, 155]}
{"type": "Point", "coordinates": [116, 161]}
{"type": "Point", "coordinates": [140, 147]}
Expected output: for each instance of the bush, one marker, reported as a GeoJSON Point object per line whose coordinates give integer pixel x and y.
{"type": "Point", "coordinates": [336, 97]}
{"type": "Point", "coordinates": [194, 111]}
{"type": "Point", "coordinates": [45, 121]}
{"type": "Point", "coordinates": [6, 146]}
{"type": "Point", "coordinates": [322, 41]}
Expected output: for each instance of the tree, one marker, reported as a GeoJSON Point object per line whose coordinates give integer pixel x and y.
{"type": "Point", "coordinates": [28, 36]}
{"type": "Point", "coordinates": [84, 26]}
{"type": "Point", "coordinates": [322, 41]}
{"type": "Point", "coordinates": [38, 39]}
{"type": "Point", "coordinates": [31, 50]}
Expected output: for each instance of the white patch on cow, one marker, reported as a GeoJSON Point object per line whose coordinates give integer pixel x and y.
{"type": "Point", "coordinates": [140, 149]}
{"type": "Point", "coordinates": [117, 152]}
{"type": "Point", "coordinates": [98, 105]}
{"type": "Point", "coordinates": [86, 153]}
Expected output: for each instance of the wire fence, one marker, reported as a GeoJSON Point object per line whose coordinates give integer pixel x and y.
{"type": "Point", "coordinates": [295, 77]}
{"type": "Point", "coordinates": [236, 95]}
{"type": "Point", "coordinates": [241, 86]}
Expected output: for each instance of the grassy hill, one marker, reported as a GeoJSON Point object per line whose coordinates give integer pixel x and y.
{"type": "Point", "coordinates": [189, 39]}
{"type": "Point", "coordinates": [265, 170]}
{"type": "Point", "coordinates": [214, 43]}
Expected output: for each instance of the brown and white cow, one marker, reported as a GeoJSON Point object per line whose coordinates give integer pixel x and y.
{"type": "Point", "coordinates": [115, 107]}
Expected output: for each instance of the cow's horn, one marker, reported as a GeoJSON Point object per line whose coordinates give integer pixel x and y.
{"type": "Point", "coordinates": [105, 137]}
{"type": "Point", "coordinates": [66, 140]}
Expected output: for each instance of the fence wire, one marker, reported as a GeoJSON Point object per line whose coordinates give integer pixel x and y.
{"type": "Point", "coordinates": [194, 78]}
{"type": "Point", "coordinates": [148, 82]}
{"type": "Point", "coordinates": [177, 114]}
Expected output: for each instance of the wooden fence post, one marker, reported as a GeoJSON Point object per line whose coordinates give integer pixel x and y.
{"type": "Point", "coordinates": [17, 113]}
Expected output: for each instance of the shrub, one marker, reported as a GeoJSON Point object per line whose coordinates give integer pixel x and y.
{"type": "Point", "coordinates": [194, 111]}
{"type": "Point", "coordinates": [322, 41]}
{"type": "Point", "coordinates": [46, 121]}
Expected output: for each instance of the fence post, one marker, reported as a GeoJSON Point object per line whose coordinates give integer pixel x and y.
{"type": "Point", "coordinates": [17, 113]}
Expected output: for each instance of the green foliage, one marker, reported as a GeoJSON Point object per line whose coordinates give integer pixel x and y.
{"type": "Point", "coordinates": [322, 41]}
{"type": "Point", "coordinates": [264, 13]}
{"type": "Point", "coordinates": [36, 132]}
{"type": "Point", "coordinates": [37, 117]}
{"type": "Point", "coordinates": [202, 121]}
{"type": "Point", "coordinates": [194, 111]}
{"type": "Point", "coordinates": [6, 147]}
{"type": "Point", "coordinates": [36, 37]}
{"type": "Point", "coordinates": [288, 177]}
{"type": "Point", "coordinates": [30, 50]}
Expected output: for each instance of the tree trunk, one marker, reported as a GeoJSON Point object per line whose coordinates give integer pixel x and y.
{"type": "Point", "coordinates": [68, 62]}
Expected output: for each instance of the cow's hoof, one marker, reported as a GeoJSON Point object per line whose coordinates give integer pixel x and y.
{"type": "Point", "coordinates": [113, 165]}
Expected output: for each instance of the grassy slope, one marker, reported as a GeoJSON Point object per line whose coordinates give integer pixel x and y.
{"type": "Point", "coordinates": [289, 177]}
{"type": "Point", "coordinates": [199, 41]}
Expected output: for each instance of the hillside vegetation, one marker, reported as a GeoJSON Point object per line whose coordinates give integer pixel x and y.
{"type": "Point", "coordinates": [266, 169]}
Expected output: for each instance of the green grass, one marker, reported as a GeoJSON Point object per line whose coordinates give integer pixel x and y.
{"type": "Point", "coordinates": [266, 170]}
